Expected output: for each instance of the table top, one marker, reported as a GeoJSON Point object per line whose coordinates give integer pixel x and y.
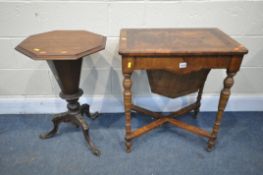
{"type": "Point", "coordinates": [61, 45]}
{"type": "Point", "coordinates": [178, 42]}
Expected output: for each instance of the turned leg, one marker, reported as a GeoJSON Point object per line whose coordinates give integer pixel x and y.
{"type": "Point", "coordinates": [199, 97]}
{"type": "Point", "coordinates": [85, 129]}
{"type": "Point", "coordinates": [224, 96]}
{"type": "Point", "coordinates": [58, 118]}
{"type": "Point", "coordinates": [85, 110]}
{"type": "Point", "coordinates": [198, 101]}
{"type": "Point", "coordinates": [127, 83]}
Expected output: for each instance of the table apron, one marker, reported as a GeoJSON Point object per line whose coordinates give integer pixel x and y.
{"type": "Point", "coordinates": [180, 64]}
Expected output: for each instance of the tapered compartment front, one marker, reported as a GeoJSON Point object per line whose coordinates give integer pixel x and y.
{"type": "Point", "coordinates": [67, 74]}
{"type": "Point", "coordinates": [172, 84]}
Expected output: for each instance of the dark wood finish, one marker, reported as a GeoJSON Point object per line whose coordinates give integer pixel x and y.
{"type": "Point", "coordinates": [67, 74]}
{"type": "Point", "coordinates": [62, 45]}
{"type": "Point", "coordinates": [183, 56]}
{"type": "Point", "coordinates": [63, 51]}
{"type": "Point", "coordinates": [174, 85]}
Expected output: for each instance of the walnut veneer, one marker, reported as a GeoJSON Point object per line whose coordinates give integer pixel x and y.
{"type": "Point", "coordinates": [64, 51]}
{"type": "Point", "coordinates": [177, 63]}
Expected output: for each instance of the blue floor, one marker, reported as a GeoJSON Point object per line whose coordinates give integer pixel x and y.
{"type": "Point", "coordinates": [167, 150]}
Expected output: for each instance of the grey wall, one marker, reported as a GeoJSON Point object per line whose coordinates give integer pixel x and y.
{"type": "Point", "coordinates": [101, 73]}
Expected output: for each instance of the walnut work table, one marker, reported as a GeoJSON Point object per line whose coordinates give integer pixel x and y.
{"type": "Point", "coordinates": [177, 63]}
{"type": "Point", "coordinates": [64, 51]}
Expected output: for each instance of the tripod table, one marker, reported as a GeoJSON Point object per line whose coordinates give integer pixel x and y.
{"type": "Point", "coordinates": [64, 51]}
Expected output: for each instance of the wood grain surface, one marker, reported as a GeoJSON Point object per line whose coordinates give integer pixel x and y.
{"type": "Point", "coordinates": [177, 42]}
{"type": "Point", "coordinates": [177, 62]}
{"type": "Point", "coordinates": [61, 45]}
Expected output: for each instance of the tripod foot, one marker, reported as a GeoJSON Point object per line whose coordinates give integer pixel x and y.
{"type": "Point", "coordinates": [56, 121]}
{"type": "Point", "coordinates": [85, 110]}
{"type": "Point", "coordinates": [85, 129]}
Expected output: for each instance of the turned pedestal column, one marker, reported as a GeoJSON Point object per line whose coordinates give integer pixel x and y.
{"type": "Point", "coordinates": [64, 52]}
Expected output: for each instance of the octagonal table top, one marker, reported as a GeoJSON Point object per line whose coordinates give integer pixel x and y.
{"type": "Point", "coordinates": [62, 45]}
